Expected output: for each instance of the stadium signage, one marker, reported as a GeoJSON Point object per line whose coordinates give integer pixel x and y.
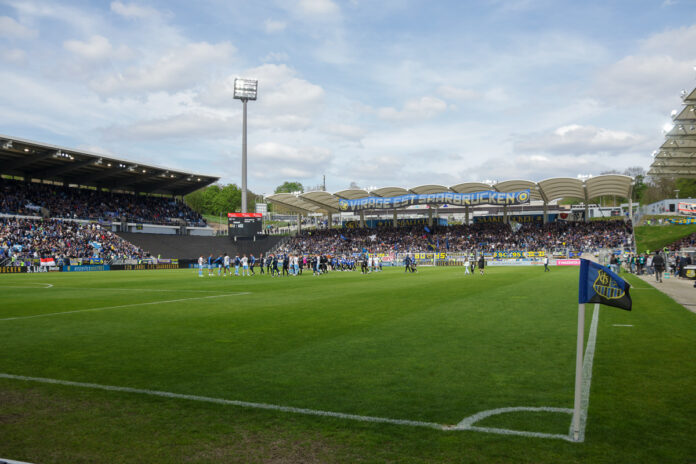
{"type": "Point", "coordinates": [12, 269]}
{"type": "Point", "coordinates": [567, 262]}
{"type": "Point", "coordinates": [457, 199]}
{"type": "Point", "coordinates": [85, 268]}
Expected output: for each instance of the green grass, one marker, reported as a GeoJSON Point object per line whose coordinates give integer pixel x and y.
{"type": "Point", "coordinates": [434, 346]}
{"type": "Point", "coordinates": [651, 238]}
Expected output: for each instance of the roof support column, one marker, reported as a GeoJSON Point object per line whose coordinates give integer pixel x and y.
{"type": "Point", "coordinates": [466, 215]}
{"type": "Point", "coordinates": [299, 222]}
{"type": "Point", "coordinates": [546, 213]}
{"type": "Point", "coordinates": [587, 212]}
{"type": "Point", "coordinates": [330, 223]}
{"type": "Point", "coordinates": [362, 219]}
{"type": "Point", "coordinates": [505, 216]}
{"type": "Point", "coordinates": [630, 209]}
{"type": "Point", "coordinates": [396, 222]}
{"type": "Point", "coordinates": [430, 217]}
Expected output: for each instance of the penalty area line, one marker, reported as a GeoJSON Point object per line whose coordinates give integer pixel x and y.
{"type": "Point", "coordinates": [465, 425]}
{"type": "Point", "coordinates": [104, 308]}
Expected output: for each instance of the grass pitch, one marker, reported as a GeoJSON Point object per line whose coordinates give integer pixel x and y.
{"type": "Point", "coordinates": [434, 347]}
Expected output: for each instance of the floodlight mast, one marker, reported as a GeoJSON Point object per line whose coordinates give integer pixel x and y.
{"type": "Point", "coordinates": [245, 90]}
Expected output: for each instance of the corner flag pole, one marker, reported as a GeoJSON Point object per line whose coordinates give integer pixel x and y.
{"type": "Point", "coordinates": [578, 371]}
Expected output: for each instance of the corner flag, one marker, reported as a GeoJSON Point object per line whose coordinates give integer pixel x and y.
{"type": "Point", "coordinates": [600, 285]}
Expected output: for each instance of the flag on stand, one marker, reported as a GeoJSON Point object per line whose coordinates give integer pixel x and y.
{"type": "Point", "coordinates": [598, 284]}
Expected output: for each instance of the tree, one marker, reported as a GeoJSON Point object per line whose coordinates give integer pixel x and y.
{"type": "Point", "coordinates": [289, 187]}
{"type": "Point", "coordinates": [686, 187]}
{"type": "Point", "coordinates": [219, 199]}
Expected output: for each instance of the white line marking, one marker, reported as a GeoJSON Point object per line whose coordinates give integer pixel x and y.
{"type": "Point", "coordinates": [104, 308]}
{"type": "Point", "coordinates": [587, 377]}
{"type": "Point", "coordinates": [10, 461]}
{"type": "Point", "coordinates": [28, 283]}
{"type": "Point", "coordinates": [465, 425]}
{"type": "Point", "coordinates": [468, 423]}
{"type": "Point", "coordinates": [118, 289]}
{"type": "Point", "coordinates": [245, 404]}
{"type": "Point", "coordinates": [622, 325]}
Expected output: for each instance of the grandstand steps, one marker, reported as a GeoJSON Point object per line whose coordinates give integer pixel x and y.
{"type": "Point", "coordinates": [191, 246]}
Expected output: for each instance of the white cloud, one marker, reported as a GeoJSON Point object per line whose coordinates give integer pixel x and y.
{"type": "Point", "coordinates": [281, 122]}
{"type": "Point", "coordinates": [577, 139]}
{"type": "Point", "coordinates": [13, 30]}
{"type": "Point", "coordinates": [421, 108]}
{"type": "Point", "coordinates": [15, 55]}
{"type": "Point", "coordinates": [318, 8]}
{"type": "Point", "coordinates": [276, 56]}
{"type": "Point", "coordinates": [654, 73]}
{"type": "Point", "coordinates": [277, 159]}
{"type": "Point", "coordinates": [455, 93]}
{"type": "Point", "coordinates": [195, 123]}
{"type": "Point", "coordinates": [345, 131]}
{"type": "Point", "coordinates": [274, 26]}
{"type": "Point", "coordinates": [280, 90]}
{"type": "Point", "coordinates": [132, 10]}
{"type": "Point", "coordinates": [97, 48]}
{"type": "Point", "coordinates": [176, 70]}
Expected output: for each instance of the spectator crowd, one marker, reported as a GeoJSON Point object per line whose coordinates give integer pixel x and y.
{"type": "Point", "coordinates": [28, 198]}
{"type": "Point", "coordinates": [481, 237]}
{"type": "Point", "coordinates": [60, 239]}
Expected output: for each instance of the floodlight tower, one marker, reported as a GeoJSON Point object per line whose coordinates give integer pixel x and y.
{"type": "Point", "coordinates": [245, 90]}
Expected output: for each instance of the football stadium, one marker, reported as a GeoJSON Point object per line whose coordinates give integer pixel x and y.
{"type": "Point", "coordinates": [493, 321]}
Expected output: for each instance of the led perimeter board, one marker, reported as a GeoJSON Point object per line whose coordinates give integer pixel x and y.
{"type": "Point", "coordinates": [244, 224]}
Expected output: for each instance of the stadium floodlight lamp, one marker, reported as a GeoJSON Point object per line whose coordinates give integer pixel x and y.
{"type": "Point", "coordinates": [245, 90]}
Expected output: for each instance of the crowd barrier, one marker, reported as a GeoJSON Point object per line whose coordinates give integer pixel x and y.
{"type": "Point", "coordinates": [169, 264]}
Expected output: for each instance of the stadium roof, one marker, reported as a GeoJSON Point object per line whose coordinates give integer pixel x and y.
{"type": "Point", "coordinates": [35, 160]}
{"type": "Point", "coordinates": [547, 190]}
{"type": "Point", "coordinates": [677, 155]}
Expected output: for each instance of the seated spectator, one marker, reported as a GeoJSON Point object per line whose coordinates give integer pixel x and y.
{"type": "Point", "coordinates": [485, 237]}
{"type": "Point", "coordinates": [59, 239]}
{"type": "Point", "coordinates": [28, 198]}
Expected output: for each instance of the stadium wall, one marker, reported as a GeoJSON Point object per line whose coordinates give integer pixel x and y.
{"type": "Point", "coordinates": [191, 247]}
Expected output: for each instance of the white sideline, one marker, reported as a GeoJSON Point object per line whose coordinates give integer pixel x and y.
{"type": "Point", "coordinates": [28, 283]}
{"type": "Point", "coordinates": [464, 425]}
{"type": "Point", "coordinates": [104, 308]}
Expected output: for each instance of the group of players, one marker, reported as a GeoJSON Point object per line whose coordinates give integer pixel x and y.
{"type": "Point", "coordinates": [284, 264]}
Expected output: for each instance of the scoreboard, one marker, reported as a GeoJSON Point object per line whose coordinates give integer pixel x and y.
{"type": "Point", "coordinates": [244, 224]}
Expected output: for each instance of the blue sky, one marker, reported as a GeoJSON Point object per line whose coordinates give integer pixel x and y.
{"type": "Point", "coordinates": [376, 93]}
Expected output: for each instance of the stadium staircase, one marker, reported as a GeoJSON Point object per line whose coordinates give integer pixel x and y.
{"type": "Point", "coordinates": [191, 246]}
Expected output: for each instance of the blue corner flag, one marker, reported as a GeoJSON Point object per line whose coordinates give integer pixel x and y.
{"type": "Point", "coordinates": [600, 285]}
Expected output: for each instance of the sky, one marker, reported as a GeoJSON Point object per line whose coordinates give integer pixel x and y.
{"type": "Point", "coordinates": [372, 93]}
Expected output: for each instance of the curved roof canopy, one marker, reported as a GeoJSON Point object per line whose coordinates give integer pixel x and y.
{"type": "Point", "coordinates": [35, 160]}
{"type": "Point", "coordinates": [547, 190]}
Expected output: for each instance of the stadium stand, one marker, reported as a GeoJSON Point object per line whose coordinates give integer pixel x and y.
{"type": "Point", "coordinates": [482, 237]}
{"type": "Point", "coordinates": [687, 242]}
{"type": "Point", "coordinates": [60, 239]}
{"type": "Point", "coordinates": [28, 198]}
